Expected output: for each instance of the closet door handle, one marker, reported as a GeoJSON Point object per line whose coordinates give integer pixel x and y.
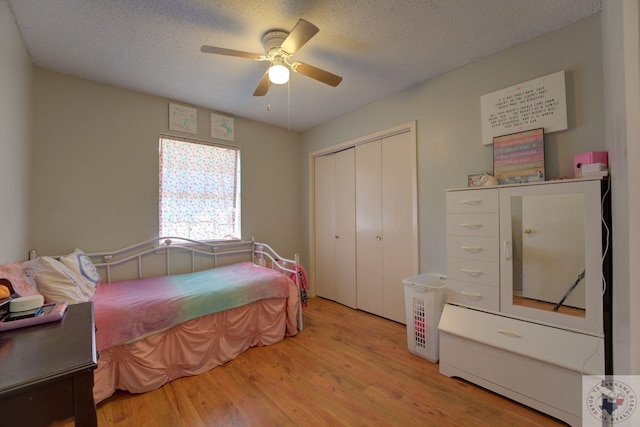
{"type": "Point", "coordinates": [337, 237]}
{"type": "Point", "coordinates": [506, 249]}
{"type": "Point", "coordinates": [509, 333]}
{"type": "Point", "coordinates": [378, 238]}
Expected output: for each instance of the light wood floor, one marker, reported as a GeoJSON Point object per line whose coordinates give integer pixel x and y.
{"type": "Point", "coordinates": [548, 306]}
{"type": "Point", "coordinates": [347, 368]}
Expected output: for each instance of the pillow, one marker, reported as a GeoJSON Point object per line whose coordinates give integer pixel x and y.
{"type": "Point", "coordinates": [17, 274]}
{"type": "Point", "coordinates": [58, 283]}
{"type": "Point", "coordinates": [80, 262]}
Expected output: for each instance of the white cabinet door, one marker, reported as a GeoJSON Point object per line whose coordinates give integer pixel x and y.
{"type": "Point", "coordinates": [571, 225]}
{"type": "Point", "coordinates": [552, 249]}
{"type": "Point", "coordinates": [335, 227]}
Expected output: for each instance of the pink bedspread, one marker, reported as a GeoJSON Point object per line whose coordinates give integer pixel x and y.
{"type": "Point", "coordinates": [194, 347]}
{"type": "Point", "coordinates": [134, 309]}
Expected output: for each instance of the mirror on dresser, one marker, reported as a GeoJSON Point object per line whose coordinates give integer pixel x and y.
{"type": "Point", "coordinates": [548, 252]}
{"type": "Point", "coordinates": [551, 268]}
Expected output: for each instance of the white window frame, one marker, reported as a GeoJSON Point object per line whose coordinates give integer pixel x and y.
{"type": "Point", "coordinates": [167, 231]}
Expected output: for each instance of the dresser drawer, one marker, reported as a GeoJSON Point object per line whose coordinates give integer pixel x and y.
{"type": "Point", "coordinates": [472, 224]}
{"type": "Point", "coordinates": [485, 200]}
{"type": "Point", "coordinates": [473, 294]}
{"type": "Point", "coordinates": [474, 271]}
{"type": "Point", "coordinates": [556, 346]}
{"type": "Point", "coordinates": [475, 248]}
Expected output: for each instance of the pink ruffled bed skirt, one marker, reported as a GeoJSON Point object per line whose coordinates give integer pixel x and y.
{"type": "Point", "coordinates": [194, 347]}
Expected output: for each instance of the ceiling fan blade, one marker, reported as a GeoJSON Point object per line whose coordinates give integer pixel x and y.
{"type": "Point", "coordinates": [230, 52]}
{"type": "Point", "coordinates": [263, 86]}
{"type": "Point", "coordinates": [316, 73]}
{"type": "Point", "coordinates": [301, 33]}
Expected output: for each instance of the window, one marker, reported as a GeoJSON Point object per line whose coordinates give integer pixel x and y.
{"type": "Point", "coordinates": [199, 190]}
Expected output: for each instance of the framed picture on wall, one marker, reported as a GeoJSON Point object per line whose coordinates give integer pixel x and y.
{"type": "Point", "coordinates": [519, 157]}
{"type": "Point", "coordinates": [222, 127]}
{"type": "Point", "coordinates": [183, 118]}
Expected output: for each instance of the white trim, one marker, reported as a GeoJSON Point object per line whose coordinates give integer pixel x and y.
{"type": "Point", "coordinates": [621, 69]}
{"type": "Point", "coordinates": [405, 127]}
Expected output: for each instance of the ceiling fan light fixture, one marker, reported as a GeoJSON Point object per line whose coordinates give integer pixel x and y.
{"type": "Point", "coordinates": [278, 74]}
{"type": "Point", "coordinates": [279, 47]}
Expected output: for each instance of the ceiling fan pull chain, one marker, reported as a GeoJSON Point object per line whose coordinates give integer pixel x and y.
{"type": "Point", "coordinates": [289, 105]}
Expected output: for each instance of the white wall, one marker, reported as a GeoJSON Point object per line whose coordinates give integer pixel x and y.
{"type": "Point", "coordinates": [447, 110]}
{"type": "Point", "coordinates": [95, 169]}
{"type": "Point", "coordinates": [15, 125]}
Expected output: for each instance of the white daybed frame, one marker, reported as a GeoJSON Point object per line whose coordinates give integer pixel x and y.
{"type": "Point", "coordinates": [259, 253]}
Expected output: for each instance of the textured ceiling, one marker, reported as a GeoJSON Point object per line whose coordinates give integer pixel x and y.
{"type": "Point", "coordinates": [380, 47]}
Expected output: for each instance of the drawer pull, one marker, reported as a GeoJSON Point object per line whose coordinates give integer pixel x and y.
{"type": "Point", "coordinates": [472, 226]}
{"type": "Point", "coordinates": [471, 272]}
{"type": "Point", "coordinates": [471, 202]}
{"type": "Point", "coordinates": [474, 249]}
{"type": "Point", "coordinates": [509, 333]}
{"type": "Point", "coordinates": [471, 295]}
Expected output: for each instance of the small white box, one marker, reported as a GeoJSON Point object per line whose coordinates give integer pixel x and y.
{"type": "Point", "coordinates": [587, 158]}
{"type": "Point", "coordinates": [425, 296]}
{"type": "Point", "coordinates": [593, 167]}
{"type": "Point", "coordinates": [26, 303]}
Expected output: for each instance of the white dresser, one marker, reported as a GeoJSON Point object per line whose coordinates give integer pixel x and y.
{"type": "Point", "coordinates": [473, 269]}
{"type": "Point", "coordinates": [492, 332]}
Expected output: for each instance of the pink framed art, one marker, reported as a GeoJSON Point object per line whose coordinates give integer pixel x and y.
{"type": "Point", "coordinates": [519, 157]}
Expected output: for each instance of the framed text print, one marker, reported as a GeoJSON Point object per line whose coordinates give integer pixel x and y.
{"type": "Point", "coordinates": [519, 157]}
{"type": "Point", "coordinates": [538, 103]}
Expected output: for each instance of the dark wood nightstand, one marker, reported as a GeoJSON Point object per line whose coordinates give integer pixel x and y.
{"type": "Point", "coordinates": [46, 371]}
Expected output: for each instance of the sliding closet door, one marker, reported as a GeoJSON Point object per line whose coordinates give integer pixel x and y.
{"type": "Point", "coordinates": [345, 223]}
{"type": "Point", "coordinates": [399, 220]}
{"type": "Point", "coordinates": [336, 227]}
{"type": "Point", "coordinates": [369, 236]}
{"type": "Point", "coordinates": [325, 226]}
{"type": "Point", "coordinates": [366, 222]}
{"type": "Point", "coordinates": [386, 223]}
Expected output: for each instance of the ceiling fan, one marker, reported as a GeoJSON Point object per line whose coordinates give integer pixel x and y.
{"type": "Point", "coordinates": [279, 47]}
